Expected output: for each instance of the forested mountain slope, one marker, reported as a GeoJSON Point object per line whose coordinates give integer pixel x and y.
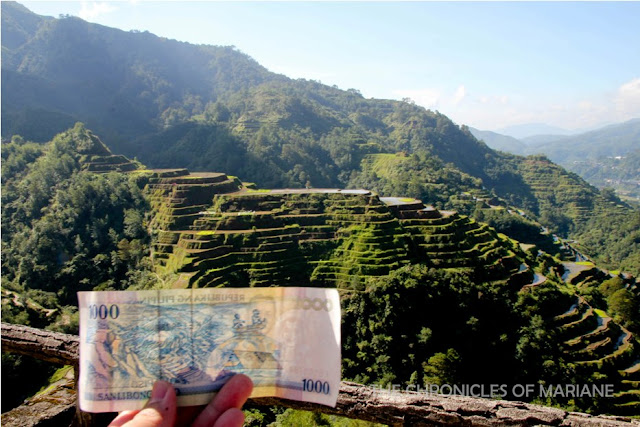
{"type": "Point", "coordinates": [173, 104]}
{"type": "Point", "coordinates": [430, 296]}
{"type": "Point", "coordinates": [500, 142]}
{"type": "Point", "coordinates": [609, 141]}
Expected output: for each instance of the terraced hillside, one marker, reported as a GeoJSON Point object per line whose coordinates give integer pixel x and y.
{"type": "Point", "coordinates": [96, 157]}
{"type": "Point", "coordinates": [598, 345]}
{"type": "Point", "coordinates": [553, 186]}
{"type": "Point", "coordinates": [423, 288]}
{"type": "Point", "coordinates": [595, 343]}
{"type": "Point", "coordinates": [211, 231]}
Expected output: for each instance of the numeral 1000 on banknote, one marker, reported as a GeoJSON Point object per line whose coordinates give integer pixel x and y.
{"type": "Point", "coordinates": [103, 312]}
{"type": "Point", "coordinates": [316, 386]}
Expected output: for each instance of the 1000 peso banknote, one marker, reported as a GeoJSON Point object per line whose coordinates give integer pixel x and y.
{"type": "Point", "coordinates": [287, 340]}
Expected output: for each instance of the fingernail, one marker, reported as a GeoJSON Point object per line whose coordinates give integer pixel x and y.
{"type": "Point", "coordinates": [159, 391]}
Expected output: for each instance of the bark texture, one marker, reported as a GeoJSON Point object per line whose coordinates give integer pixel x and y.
{"type": "Point", "coordinates": [49, 346]}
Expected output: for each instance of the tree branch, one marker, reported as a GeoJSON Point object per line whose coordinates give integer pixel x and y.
{"type": "Point", "coordinates": [49, 346]}
{"type": "Point", "coordinates": [354, 400]}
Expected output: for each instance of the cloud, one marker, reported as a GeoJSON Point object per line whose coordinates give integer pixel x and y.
{"type": "Point", "coordinates": [459, 95]}
{"type": "Point", "coordinates": [495, 110]}
{"type": "Point", "coordinates": [428, 98]}
{"type": "Point", "coordinates": [434, 98]}
{"type": "Point", "coordinates": [90, 11]}
{"type": "Point", "coordinates": [627, 100]}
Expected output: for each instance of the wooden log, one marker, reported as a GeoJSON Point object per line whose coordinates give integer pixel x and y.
{"type": "Point", "coordinates": [400, 408]}
{"type": "Point", "coordinates": [49, 346]}
{"type": "Point", "coordinates": [354, 400]}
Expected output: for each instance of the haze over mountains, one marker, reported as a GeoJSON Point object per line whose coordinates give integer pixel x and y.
{"type": "Point", "coordinates": [611, 140]}
{"type": "Point", "coordinates": [606, 157]}
{"type": "Point", "coordinates": [173, 104]}
{"type": "Point", "coordinates": [532, 129]}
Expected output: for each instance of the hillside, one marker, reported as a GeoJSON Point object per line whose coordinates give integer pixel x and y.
{"type": "Point", "coordinates": [171, 104]}
{"type": "Point", "coordinates": [610, 141]}
{"type": "Point", "coordinates": [499, 141]}
{"type": "Point", "coordinates": [401, 266]}
{"type": "Point", "coordinates": [606, 157]}
{"type": "Point", "coordinates": [621, 173]}
{"type": "Point", "coordinates": [531, 130]}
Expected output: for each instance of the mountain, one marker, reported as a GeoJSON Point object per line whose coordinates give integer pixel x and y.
{"type": "Point", "coordinates": [500, 142]}
{"type": "Point", "coordinates": [531, 129]}
{"type": "Point", "coordinates": [255, 179]}
{"type": "Point", "coordinates": [535, 140]}
{"type": "Point", "coordinates": [428, 296]}
{"type": "Point", "coordinates": [172, 104]}
{"type": "Point", "coordinates": [606, 157]}
{"type": "Point", "coordinates": [123, 83]}
{"type": "Point", "coordinates": [610, 141]}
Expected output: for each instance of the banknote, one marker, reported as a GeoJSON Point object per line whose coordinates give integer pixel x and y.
{"type": "Point", "coordinates": [286, 339]}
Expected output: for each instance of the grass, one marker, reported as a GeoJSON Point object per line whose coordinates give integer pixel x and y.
{"type": "Point", "coordinates": [251, 190]}
{"type": "Point", "coordinates": [206, 232]}
{"type": "Point", "coordinates": [600, 313]}
{"type": "Point", "coordinates": [383, 164]}
{"type": "Point", "coordinates": [614, 272]}
{"type": "Point", "coordinates": [587, 263]}
{"type": "Point", "coordinates": [57, 376]}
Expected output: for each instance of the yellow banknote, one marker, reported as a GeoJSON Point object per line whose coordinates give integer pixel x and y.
{"type": "Point", "coordinates": [286, 339]}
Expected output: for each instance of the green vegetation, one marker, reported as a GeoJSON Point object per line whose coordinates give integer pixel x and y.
{"type": "Point", "coordinates": [619, 173]}
{"type": "Point", "coordinates": [429, 295]}
{"type": "Point", "coordinates": [60, 225]}
{"type": "Point", "coordinates": [217, 109]}
{"type": "Point", "coordinates": [63, 230]}
{"type": "Point", "coordinates": [612, 235]}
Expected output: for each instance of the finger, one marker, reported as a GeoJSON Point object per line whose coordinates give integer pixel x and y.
{"type": "Point", "coordinates": [187, 414]}
{"type": "Point", "coordinates": [122, 418]}
{"type": "Point", "coordinates": [232, 395]}
{"type": "Point", "coordinates": [233, 417]}
{"type": "Point", "coordinates": [160, 411]}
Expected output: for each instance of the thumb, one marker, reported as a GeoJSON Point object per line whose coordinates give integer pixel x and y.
{"type": "Point", "coordinates": [160, 411]}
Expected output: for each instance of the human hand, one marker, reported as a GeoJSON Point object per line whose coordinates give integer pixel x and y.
{"type": "Point", "coordinates": [161, 410]}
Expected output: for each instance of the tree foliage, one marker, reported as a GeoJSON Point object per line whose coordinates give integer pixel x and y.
{"type": "Point", "coordinates": [61, 225]}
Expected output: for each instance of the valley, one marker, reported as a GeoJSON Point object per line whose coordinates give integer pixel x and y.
{"type": "Point", "coordinates": [456, 263]}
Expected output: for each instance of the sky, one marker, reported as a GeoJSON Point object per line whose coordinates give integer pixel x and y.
{"type": "Point", "coordinates": [489, 65]}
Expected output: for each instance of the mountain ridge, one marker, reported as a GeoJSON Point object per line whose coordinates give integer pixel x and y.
{"type": "Point", "coordinates": [499, 141]}
{"type": "Point", "coordinates": [605, 157]}
{"type": "Point", "coordinates": [511, 311]}
{"type": "Point", "coordinates": [609, 141]}
{"type": "Point", "coordinates": [172, 104]}
{"type": "Point", "coordinates": [530, 129]}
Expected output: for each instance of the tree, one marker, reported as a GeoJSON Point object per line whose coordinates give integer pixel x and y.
{"type": "Point", "coordinates": [625, 306]}
{"type": "Point", "coordinates": [442, 368]}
